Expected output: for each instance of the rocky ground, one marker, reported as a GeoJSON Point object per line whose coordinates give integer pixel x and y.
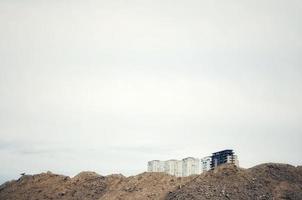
{"type": "Point", "coordinates": [266, 181]}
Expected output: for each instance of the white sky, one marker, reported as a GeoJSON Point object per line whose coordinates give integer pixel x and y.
{"type": "Point", "coordinates": [108, 85]}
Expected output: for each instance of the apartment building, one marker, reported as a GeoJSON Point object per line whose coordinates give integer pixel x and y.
{"type": "Point", "coordinates": [156, 166]}
{"type": "Point", "coordinates": [185, 167]}
{"type": "Point", "coordinates": [178, 168]}
{"type": "Point", "coordinates": [189, 166]}
{"type": "Point", "coordinates": [206, 163]}
{"type": "Point", "coordinates": [223, 157]}
{"type": "Point", "coordinates": [171, 167]}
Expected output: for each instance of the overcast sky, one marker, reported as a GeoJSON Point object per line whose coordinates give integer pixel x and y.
{"type": "Point", "coordinates": [109, 85]}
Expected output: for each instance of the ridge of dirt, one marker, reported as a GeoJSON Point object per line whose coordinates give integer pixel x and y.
{"type": "Point", "coordinates": [263, 182]}
{"type": "Point", "coordinates": [146, 186]}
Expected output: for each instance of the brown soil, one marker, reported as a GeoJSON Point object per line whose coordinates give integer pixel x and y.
{"type": "Point", "coordinates": [266, 181]}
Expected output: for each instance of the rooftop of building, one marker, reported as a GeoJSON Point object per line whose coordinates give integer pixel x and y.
{"type": "Point", "coordinates": [154, 160]}
{"type": "Point", "coordinates": [223, 151]}
{"type": "Point", "coordinates": [192, 158]}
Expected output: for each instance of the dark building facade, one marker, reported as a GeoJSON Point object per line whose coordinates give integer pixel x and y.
{"type": "Point", "coordinates": [222, 157]}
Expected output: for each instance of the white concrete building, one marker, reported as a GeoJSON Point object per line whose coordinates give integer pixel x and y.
{"type": "Point", "coordinates": [190, 166]}
{"type": "Point", "coordinates": [156, 166]}
{"type": "Point", "coordinates": [206, 163]}
{"type": "Point", "coordinates": [178, 168]}
{"type": "Point", "coordinates": [170, 167]}
{"type": "Point", "coordinates": [184, 167]}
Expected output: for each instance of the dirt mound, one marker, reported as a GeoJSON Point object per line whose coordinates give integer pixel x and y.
{"type": "Point", "coordinates": [266, 181]}
{"type": "Point", "coordinates": [283, 181]}
{"type": "Point", "coordinates": [86, 185]}
{"type": "Point", "coordinates": [41, 186]}
{"type": "Point", "coordinates": [145, 186]}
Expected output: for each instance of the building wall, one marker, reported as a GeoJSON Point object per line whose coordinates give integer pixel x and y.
{"type": "Point", "coordinates": [233, 160]}
{"type": "Point", "coordinates": [185, 167]}
{"type": "Point", "coordinates": [171, 167]}
{"type": "Point", "coordinates": [156, 166]}
{"type": "Point", "coordinates": [206, 163]}
{"type": "Point", "coordinates": [178, 168]}
{"type": "Point", "coordinates": [190, 166]}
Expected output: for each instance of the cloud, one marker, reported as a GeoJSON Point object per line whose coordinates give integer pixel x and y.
{"type": "Point", "coordinates": [107, 86]}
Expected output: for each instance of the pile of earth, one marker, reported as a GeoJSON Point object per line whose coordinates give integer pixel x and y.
{"type": "Point", "coordinates": [266, 181]}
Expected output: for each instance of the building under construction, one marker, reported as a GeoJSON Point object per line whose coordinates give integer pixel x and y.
{"type": "Point", "coordinates": [223, 157]}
